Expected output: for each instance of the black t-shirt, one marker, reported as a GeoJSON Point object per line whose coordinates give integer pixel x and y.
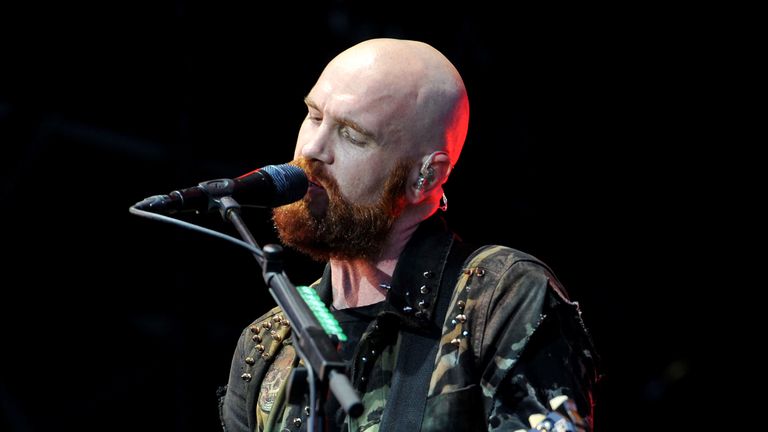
{"type": "Point", "coordinates": [353, 322]}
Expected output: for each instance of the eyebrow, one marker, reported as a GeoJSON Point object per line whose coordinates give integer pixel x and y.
{"type": "Point", "coordinates": [342, 120]}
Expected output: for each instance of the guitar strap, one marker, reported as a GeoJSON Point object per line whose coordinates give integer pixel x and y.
{"type": "Point", "coordinates": [416, 356]}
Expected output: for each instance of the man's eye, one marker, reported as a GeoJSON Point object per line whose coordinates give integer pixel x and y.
{"type": "Point", "coordinates": [349, 135]}
{"type": "Point", "coordinates": [314, 118]}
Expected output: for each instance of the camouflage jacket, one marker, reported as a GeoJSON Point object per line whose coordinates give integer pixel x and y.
{"type": "Point", "coordinates": [508, 340]}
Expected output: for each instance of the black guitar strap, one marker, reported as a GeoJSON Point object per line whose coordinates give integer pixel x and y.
{"type": "Point", "coordinates": [416, 356]}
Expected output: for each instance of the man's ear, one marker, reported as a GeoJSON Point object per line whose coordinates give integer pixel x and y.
{"type": "Point", "coordinates": [431, 174]}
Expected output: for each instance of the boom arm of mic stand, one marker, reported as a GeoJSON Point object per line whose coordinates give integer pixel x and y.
{"type": "Point", "coordinates": [314, 345]}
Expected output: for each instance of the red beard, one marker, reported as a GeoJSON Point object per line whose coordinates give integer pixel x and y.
{"type": "Point", "coordinates": [345, 231]}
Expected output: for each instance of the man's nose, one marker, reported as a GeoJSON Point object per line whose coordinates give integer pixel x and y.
{"type": "Point", "coordinates": [318, 146]}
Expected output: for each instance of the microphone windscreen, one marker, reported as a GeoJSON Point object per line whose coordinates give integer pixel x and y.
{"type": "Point", "coordinates": [290, 182]}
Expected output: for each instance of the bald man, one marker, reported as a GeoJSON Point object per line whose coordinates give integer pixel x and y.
{"type": "Point", "coordinates": [441, 336]}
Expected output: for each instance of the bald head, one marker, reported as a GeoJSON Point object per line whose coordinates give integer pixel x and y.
{"type": "Point", "coordinates": [385, 122]}
{"type": "Point", "coordinates": [417, 92]}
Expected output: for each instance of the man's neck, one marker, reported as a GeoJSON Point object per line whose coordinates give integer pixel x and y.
{"type": "Point", "coordinates": [359, 282]}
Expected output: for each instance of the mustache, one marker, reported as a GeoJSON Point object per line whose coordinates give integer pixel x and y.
{"type": "Point", "coordinates": [315, 171]}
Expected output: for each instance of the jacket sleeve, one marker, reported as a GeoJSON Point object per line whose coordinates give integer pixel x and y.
{"type": "Point", "coordinates": [551, 365]}
{"type": "Point", "coordinates": [536, 349]}
{"type": "Point", "coordinates": [234, 416]}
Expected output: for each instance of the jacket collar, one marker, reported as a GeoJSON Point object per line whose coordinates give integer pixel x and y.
{"type": "Point", "coordinates": [416, 280]}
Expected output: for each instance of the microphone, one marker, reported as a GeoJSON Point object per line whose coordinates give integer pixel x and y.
{"type": "Point", "coordinates": [270, 186]}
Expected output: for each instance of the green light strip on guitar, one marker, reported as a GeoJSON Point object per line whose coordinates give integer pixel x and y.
{"type": "Point", "coordinates": [329, 323]}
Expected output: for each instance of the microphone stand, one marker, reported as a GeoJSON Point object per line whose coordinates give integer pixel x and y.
{"type": "Point", "coordinates": [325, 368]}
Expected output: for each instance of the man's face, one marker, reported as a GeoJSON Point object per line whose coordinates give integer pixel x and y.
{"type": "Point", "coordinates": [356, 127]}
{"type": "Point", "coordinates": [353, 145]}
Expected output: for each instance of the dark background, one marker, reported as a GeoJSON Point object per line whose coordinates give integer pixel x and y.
{"type": "Point", "coordinates": [578, 128]}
